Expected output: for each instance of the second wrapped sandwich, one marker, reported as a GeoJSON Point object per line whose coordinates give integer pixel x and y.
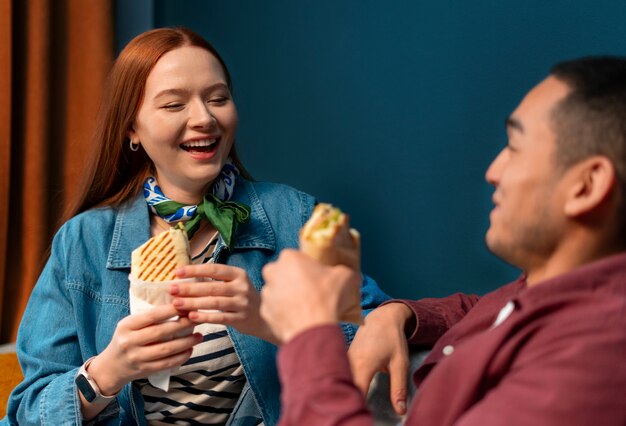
{"type": "Point", "coordinates": [328, 238]}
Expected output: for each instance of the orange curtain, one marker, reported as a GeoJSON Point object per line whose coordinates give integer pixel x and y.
{"type": "Point", "coordinates": [54, 56]}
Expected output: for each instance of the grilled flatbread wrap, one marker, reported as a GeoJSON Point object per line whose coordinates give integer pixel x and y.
{"type": "Point", "coordinates": [155, 262]}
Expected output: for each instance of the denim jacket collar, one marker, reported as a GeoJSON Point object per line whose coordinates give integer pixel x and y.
{"type": "Point", "coordinates": [132, 227]}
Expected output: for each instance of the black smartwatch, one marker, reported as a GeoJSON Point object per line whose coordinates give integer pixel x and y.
{"type": "Point", "coordinates": [88, 387]}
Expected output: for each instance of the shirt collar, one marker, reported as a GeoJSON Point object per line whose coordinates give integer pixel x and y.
{"type": "Point", "coordinates": [588, 277]}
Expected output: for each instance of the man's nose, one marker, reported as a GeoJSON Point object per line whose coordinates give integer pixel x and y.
{"type": "Point", "coordinates": [492, 175]}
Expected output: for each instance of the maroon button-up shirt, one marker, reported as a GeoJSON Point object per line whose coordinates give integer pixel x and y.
{"type": "Point", "coordinates": [556, 356]}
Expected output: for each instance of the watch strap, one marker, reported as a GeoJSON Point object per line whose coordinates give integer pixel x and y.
{"type": "Point", "coordinates": [89, 388]}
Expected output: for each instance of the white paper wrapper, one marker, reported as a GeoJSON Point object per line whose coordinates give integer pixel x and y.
{"type": "Point", "coordinates": [146, 295]}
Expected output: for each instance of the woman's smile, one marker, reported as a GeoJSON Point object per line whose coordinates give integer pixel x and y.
{"type": "Point", "coordinates": [202, 149]}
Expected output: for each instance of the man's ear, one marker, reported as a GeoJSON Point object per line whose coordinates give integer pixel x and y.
{"type": "Point", "coordinates": [593, 181]}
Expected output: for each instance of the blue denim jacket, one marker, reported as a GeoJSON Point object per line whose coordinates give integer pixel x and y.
{"type": "Point", "coordinates": [77, 303]}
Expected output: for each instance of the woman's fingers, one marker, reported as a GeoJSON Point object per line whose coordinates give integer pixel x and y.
{"type": "Point", "coordinates": [166, 349]}
{"type": "Point", "coordinates": [159, 332]}
{"type": "Point", "coordinates": [155, 315]}
{"type": "Point", "coordinates": [215, 271]}
{"type": "Point", "coordinates": [209, 288]}
{"type": "Point", "coordinates": [220, 317]}
{"type": "Point", "coordinates": [169, 362]}
{"type": "Point", "coordinates": [230, 299]}
{"type": "Point", "coordinates": [237, 303]}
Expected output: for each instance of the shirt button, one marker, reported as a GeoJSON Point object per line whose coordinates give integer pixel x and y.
{"type": "Point", "coordinates": [447, 350]}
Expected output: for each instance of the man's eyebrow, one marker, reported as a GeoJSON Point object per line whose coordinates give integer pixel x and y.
{"type": "Point", "coordinates": [513, 124]}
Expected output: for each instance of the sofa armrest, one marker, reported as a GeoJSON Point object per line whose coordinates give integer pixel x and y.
{"type": "Point", "coordinates": [10, 374]}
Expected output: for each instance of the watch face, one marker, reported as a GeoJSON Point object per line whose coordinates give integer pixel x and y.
{"type": "Point", "coordinates": [85, 388]}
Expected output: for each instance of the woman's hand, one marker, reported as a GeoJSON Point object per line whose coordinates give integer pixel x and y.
{"type": "Point", "coordinates": [381, 345]}
{"type": "Point", "coordinates": [222, 295]}
{"type": "Point", "coordinates": [142, 344]}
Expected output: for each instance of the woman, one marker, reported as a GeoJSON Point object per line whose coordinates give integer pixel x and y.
{"type": "Point", "coordinates": [166, 133]}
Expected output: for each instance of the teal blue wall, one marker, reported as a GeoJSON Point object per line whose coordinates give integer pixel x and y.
{"type": "Point", "coordinates": [393, 110]}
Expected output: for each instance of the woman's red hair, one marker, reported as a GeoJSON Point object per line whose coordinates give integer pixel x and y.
{"type": "Point", "coordinates": [116, 173]}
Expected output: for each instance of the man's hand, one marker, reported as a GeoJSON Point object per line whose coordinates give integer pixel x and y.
{"type": "Point", "coordinates": [381, 345]}
{"type": "Point", "coordinates": [300, 293]}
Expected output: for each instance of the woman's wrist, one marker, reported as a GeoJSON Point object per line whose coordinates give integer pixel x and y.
{"type": "Point", "coordinates": [101, 374]}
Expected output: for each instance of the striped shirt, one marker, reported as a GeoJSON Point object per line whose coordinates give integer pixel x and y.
{"type": "Point", "coordinates": [206, 388]}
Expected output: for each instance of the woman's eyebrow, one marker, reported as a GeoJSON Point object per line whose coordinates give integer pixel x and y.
{"type": "Point", "coordinates": [172, 91]}
{"type": "Point", "coordinates": [182, 92]}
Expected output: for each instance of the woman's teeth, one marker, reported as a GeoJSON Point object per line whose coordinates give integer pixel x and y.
{"type": "Point", "coordinates": [200, 145]}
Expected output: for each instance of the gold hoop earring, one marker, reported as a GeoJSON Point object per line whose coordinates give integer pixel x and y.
{"type": "Point", "coordinates": [133, 146]}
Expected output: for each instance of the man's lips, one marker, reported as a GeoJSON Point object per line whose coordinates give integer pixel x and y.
{"type": "Point", "coordinates": [496, 203]}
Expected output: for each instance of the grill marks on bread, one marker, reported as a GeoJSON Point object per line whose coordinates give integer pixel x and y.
{"type": "Point", "coordinates": [158, 265]}
{"type": "Point", "coordinates": [158, 258]}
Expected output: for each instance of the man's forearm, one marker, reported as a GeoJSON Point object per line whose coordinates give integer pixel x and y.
{"type": "Point", "coordinates": [317, 382]}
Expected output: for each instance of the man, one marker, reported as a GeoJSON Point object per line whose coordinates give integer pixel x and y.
{"type": "Point", "coordinates": [547, 349]}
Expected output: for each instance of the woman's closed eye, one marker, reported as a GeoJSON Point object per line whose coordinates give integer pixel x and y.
{"type": "Point", "coordinates": [218, 100]}
{"type": "Point", "coordinates": [173, 106]}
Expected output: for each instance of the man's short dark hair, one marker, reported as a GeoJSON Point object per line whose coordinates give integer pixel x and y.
{"type": "Point", "coordinates": [591, 120]}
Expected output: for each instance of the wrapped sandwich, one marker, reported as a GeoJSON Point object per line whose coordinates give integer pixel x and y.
{"type": "Point", "coordinates": [152, 271]}
{"type": "Point", "coordinates": [328, 238]}
{"type": "Point", "coordinates": [158, 258]}
{"type": "Point", "coordinates": [153, 265]}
